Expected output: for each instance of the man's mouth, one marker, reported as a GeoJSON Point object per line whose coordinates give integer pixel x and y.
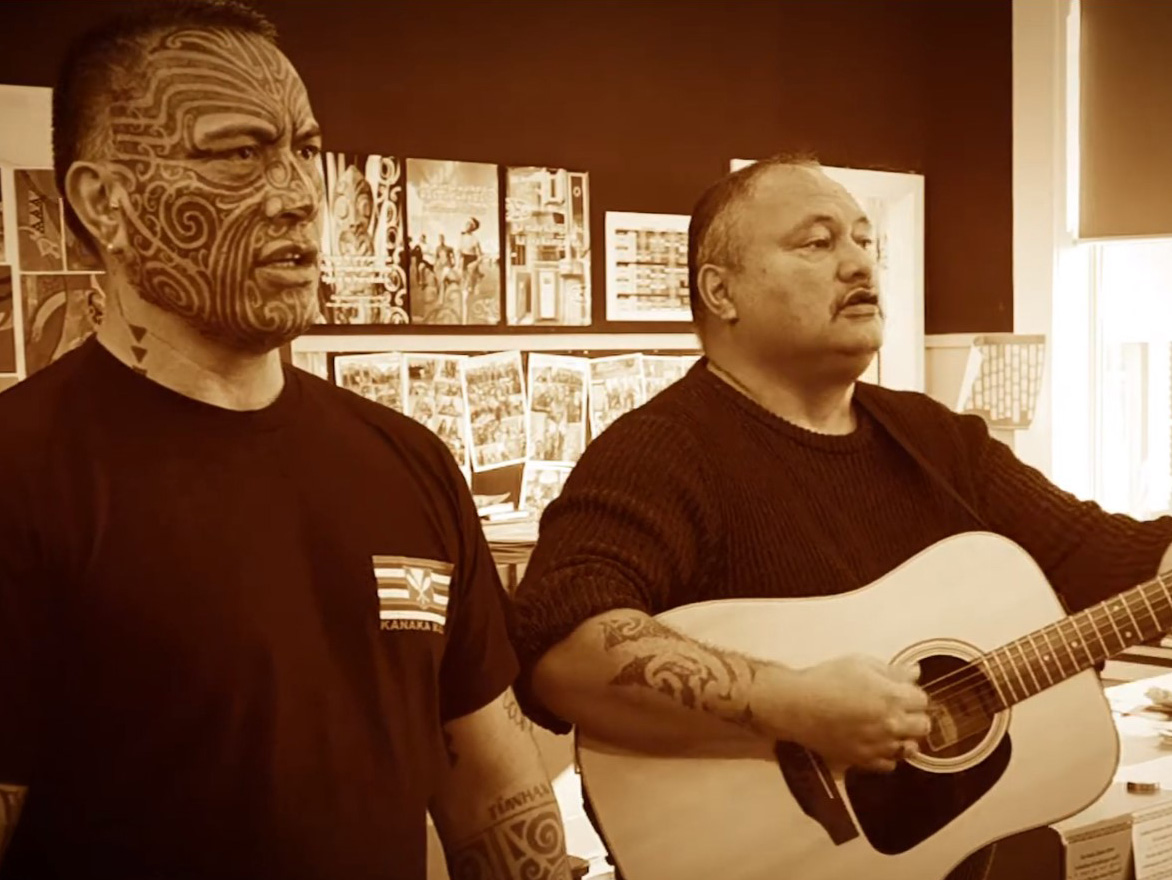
{"type": "Point", "coordinates": [289, 256]}
{"type": "Point", "coordinates": [861, 297]}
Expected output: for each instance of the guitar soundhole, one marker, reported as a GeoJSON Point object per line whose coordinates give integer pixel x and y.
{"type": "Point", "coordinates": [962, 705]}
{"type": "Point", "coordinates": [899, 810]}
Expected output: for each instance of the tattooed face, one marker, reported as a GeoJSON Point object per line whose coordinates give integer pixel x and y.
{"type": "Point", "coordinates": [217, 150]}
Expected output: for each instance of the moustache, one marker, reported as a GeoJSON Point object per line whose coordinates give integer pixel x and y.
{"type": "Point", "coordinates": [861, 296]}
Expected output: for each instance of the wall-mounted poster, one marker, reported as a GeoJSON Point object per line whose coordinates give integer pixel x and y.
{"type": "Point", "coordinates": [557, 407]}
{"type": "Point", "coordinates": [894, 202]}
{"type": "Point", "coordinates": [60, 311]}
{"type": "Point", "coordinates": [45, 243]}
{"type": "Point", "coordinates": [616, 387]}
{"type": "Point", "coordinates": [647, 267]}
{"type": "Point", "coordinates": [315, 362]}
{"type": "Point", "coordinates": [435, 398]}
{"type": "Point", "coordinates": [495, 390]}
{"type": "Point", "coordinates": [453, 242]}
{"type": "Point", "coordinates": [541, 483]}
{"type": "Point", "coordinates": [660, 371]}
{"type": "Point", "coordinates": [377, 377]}
{"type": "Point", "coordinates": [364, 275]}
{"type": "Point", "coordinates": [547, 246]}
{"type": "Point", "coordinates": [7, 321]}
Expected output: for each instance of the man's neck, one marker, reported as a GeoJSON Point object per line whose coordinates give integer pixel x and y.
{"type": "Point", "coordinates": [165, 349]}
{"type": "Point", "coordinates": [823, 408]}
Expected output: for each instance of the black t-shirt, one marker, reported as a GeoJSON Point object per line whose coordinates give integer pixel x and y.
{"type": "Point", "coordinates": [228, 640]}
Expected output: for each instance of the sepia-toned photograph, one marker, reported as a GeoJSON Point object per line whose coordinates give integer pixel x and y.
{"type": "Point", "coordinates": [647, 267]}
{"type": "Point", "coordinates": [7, 321]}
{"type": "Point", "coordinates": [315, 362]}
{"type": "Point", "coordinates": [660, 371]}
{"type": "Point", "coordinates": [557, 407]}
{"type": "Point", "coordinates": [616, 387]}
{"type": "Point", "coordinates": [495, 390]}
{"type": "Point", "coordinates": [541, 483]}
{"type": "Point", "coordinates": [453, 242]}
{"type": "Point", "coordinates": [364, 277]}
{"type": "Point", "coordinates": [59, 312]}
{"type": "Point", "coordinates": [435, 398]}
{"type": "Point", "coordinates": [547, 246]}
{"type": "Point", "coordinates": [377, 377]}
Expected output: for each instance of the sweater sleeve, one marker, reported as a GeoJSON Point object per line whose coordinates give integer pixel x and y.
{"type": "Point", "coordinates": [1087, 554]}
{"type": "Point", "coordinates": [632, 528]}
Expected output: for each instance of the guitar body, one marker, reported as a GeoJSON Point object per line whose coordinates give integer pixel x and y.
{"type": "Point", "coordinates": [782, 814]}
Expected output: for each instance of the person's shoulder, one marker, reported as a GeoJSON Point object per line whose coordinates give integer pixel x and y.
{"type": "Point", "coordinates": [677, 410]}
{"type": "Point", "coordinates": [38, 409]}
{"type": "Point", "coordinates": [411, 439]}
{"type": "Point", "coordinates": [919, 414]}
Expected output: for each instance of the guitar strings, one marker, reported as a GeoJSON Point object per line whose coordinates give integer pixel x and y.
{"type": "Point", "coordinates": [969, 678]}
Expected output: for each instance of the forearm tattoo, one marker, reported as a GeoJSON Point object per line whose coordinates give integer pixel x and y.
{"type": "Point", "coordinates": [525, 841]}
{"type": "Point", "coordinates": [513, 709]}
{"type": "Point", "coordinates": [693, 675]}
{"type": "Point", "coordinates": [11, 801]}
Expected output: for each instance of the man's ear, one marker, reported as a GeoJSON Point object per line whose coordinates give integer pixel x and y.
{"type": "Point", "coordinates": [95, 196]}
{"type": "Point", "coordinates": [712, 282]}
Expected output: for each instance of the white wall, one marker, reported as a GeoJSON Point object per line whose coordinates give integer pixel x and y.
{"type": "Point", "coordinates": [1051, 275]}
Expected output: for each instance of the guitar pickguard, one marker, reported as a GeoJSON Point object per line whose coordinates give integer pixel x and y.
{"type": "Point", "coordinates": [813, 787]}
{"type": "Point", "coordinates": [900, 810]}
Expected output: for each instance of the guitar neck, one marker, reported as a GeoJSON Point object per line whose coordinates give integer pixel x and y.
{"type": "Point", "coordinates": [1074, 644]}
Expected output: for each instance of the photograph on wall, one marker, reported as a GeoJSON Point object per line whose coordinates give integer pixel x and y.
{"type": "Point", "coordinates": [541, 483]}
{"type": "Point", "coordinates": [659, 371]}
{"type": "Point", "coordinates": [616, 387]}
{"type": "Point", "coordinates": [59, 312]}
{"type": "Point", "coordinates": [435, 398]}
{"type": "Point", "coordinates": [377, 377]}
{"type": "Point", "coordinates": [495, 391]}
{"type": "Point", "coordinates": [7, 321]}
{"type": "Point", "coordinates": [4, 258]}
{"type": "Point", "coordinates": [547, 246]}
{"type": "Point", "coordinates": [315, 362]}
{"type": "Point", "coordinates": [453, 242]}
{"type": "Point", "coordinates": [45, 242]}
{"type": "Point", "coordinates": [557, 407]}
{"type": "Point", "coordinates": [364, 275]}
{"type": "Point", "coordinates": [647, 267]}
{"type": "Point", "coordinates": [40, 244]}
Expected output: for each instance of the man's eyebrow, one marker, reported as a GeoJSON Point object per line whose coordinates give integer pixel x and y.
{"type": "Point", "coordinates": [222, 127]}
{"type": "Point", "coordinates": [309, 131]}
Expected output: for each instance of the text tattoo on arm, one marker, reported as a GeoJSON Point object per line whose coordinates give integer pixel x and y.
{"type": "Point", "coordinates": [525, 840]}
{"type": "Point", "coordinates": [693, 675]}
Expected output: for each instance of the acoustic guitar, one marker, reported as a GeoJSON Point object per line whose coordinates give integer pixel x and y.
{"type": "Point", "coordinates": [1022, 735]}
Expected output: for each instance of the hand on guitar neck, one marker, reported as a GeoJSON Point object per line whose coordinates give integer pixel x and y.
{"type": "Point", "coordinates": [628, 679]}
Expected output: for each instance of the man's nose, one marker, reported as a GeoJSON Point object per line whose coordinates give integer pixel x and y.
{"type": "Point", "coordinates": [295, 192]}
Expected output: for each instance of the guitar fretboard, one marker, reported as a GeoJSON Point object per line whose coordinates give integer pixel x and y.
{"type": "Point", "coordinates": [1056, 652]}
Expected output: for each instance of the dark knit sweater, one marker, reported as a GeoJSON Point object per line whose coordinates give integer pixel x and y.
{"type": "Point", "coordinates": [702, 494]}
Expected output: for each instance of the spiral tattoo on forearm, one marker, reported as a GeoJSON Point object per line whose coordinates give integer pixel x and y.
{"type": "Point", "coordinates": [659, 659]}
{"type": "Point", "coordinates": [525, 841]}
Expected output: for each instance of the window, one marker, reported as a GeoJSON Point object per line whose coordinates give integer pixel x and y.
{"type": "Point", "coordinates": [1132, 377]}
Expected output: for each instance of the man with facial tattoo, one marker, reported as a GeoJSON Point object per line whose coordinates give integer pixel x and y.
{"type": "Point", "coordinates": [249, 625]}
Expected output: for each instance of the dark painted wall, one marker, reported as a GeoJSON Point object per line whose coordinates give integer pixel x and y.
{"type": "Point", "coordinates": [653, 99]}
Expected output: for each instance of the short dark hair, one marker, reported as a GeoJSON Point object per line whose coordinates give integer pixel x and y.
{"type": "Point", "coordinates": [104, 60]}
{"type": "Point", "coordinates": [710, 234]}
